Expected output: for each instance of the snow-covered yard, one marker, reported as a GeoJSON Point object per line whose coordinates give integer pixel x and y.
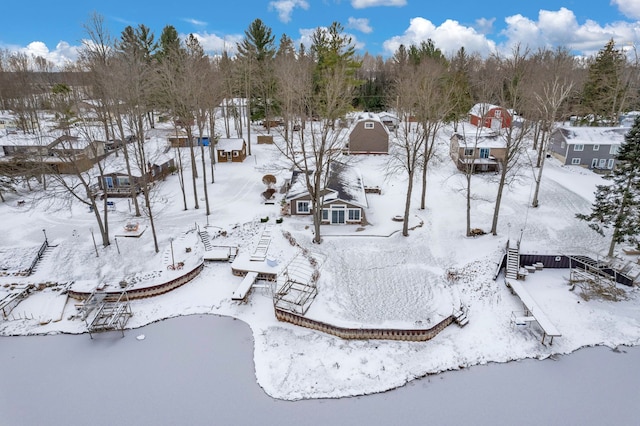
{"type": "Point", "coordinates": [370, 275]}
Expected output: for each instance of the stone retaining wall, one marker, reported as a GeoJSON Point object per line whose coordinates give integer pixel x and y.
{"type": "Point", "coordinates": [140, 293]}
{"type": "Point", "coordinates": [414, 335]}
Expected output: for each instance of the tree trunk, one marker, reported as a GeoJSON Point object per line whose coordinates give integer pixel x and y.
{"type": "Point", "coordinates": [407, 206]}
{"type": "Point", "coordinates": [194, 169]}
{"type": "Point", "coordinates": [468, 203]}
{"type": "Point", "coordinates": [496, 210]}
{"type": "Point", "coordinates": [204, 180]}
{"type": "Point", "coordinates": [181, 178]}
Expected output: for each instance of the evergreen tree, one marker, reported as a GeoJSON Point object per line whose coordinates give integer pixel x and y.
{"type": "Point", "coordinates": [617, 206]}
{"type": "Point", "coordinates": [605, 89]}
{"type": "Point", "coordinates": [169, 43]}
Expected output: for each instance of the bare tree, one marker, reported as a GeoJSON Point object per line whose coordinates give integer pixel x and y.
{"type": "Point", "coordinates": [324, 88]}
{"type": "Point", "coordinates": [512, 88]}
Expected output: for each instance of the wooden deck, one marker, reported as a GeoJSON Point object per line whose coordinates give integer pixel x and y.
{"type": "Point", "coordinates": [532, 312]}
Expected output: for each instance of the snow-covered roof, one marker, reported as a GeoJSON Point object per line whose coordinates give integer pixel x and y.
{"type": "Point", "coordinates": [229, 144]}
{"type": "Point", "coordinates": [345, 183]}
{"type": "Point", "coordinates": [385, 115]}
{"type": "Point", "coordinates": [482, 108]}
{"type": "Point", "coordinates": [367, 116]}
{"type": "Point", "coordinates": [483, 140]}
{"type": "Point", "coordinates": [586, 135]}
{"type": "Point", "coordinates": [20, 139]}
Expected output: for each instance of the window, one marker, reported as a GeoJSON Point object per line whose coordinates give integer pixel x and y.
{"type": "Point", "coordinates": [354, 214]}
{"type": "Point", "coordinates": [369, 125]}
{"type": "Point", "coordinates": [578, 147]}
{"type": "Point", "coordinates": [484, 152]}
{"type": "Point", "coordinates": [594, 163]}
{"type": "Point", "coordinates": [325, 214]}
{"type": "Point", "coordinates": [575, 161]}
{"type": "Point", "coordinates": [235, 153]}
{"type": "Point", "coordinates": [614, 149]}
{"type": "Point", "coordinates": [123, 181]}
{"type": "Point", "coordinates": [468, 152]}
{"type": "Point", "coordinates": [596, 147]}
{"type": "Point", "coordinates": [303, 207]}
{"type": "Point", "coordinates": [610, 163]}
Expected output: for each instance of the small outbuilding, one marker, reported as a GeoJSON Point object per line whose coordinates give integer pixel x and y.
{"type": "Point", "coordinates": [368, 135]}
{"type": "Point", "coordinates": [490, 116]}
{"type": "Point", "coordinates": [232, 150]}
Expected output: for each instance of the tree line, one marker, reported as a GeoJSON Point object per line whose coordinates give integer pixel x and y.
{"type": "Point", "coordinates": [135, 76]}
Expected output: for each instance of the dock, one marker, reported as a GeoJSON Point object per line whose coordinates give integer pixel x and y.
{"type": "Point", "coordinates": [532, 312]}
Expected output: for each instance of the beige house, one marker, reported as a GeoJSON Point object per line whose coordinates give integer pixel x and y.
{"type": "Point", "coordinates": [484, 153]}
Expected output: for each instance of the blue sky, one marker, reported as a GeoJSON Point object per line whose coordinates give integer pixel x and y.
{"type": "Point", "coordinates": [55, 29]}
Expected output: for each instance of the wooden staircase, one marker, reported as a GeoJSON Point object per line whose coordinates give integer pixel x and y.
{"type": "Point", "coordinates": [460, 317]}
{"type": "Point", "coordinates": [513, 262]}
{"type": "Point", "coordinates": [204, 236]}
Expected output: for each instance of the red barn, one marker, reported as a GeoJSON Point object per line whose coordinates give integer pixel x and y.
{"type": "Point", "coordinates": [490, 116]}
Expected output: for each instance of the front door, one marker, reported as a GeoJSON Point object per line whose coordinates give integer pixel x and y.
{"type": "Point", "coordinates": [337, 216]}
{"type": "Point", "coordinates": [229, 157]}
{"type": "Point", "coordinates": [603, 163]}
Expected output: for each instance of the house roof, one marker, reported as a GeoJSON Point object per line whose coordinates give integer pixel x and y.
{"type": "Point", "coordinates": [367, 116]}
{"type": "Point", "coordinates": [593, 135]}
{"type": "Point", "coordinates": [345, 183]}
{"type": "Point", "coordinates": [229, 144]}
{"type": "Point", "coordinates": [482, 108]}
{"type": "Point", "coordinates": [388, 116]}
{"type": "Point", "coordinates": [484, 140]}
{"type": "Point", "coordinates": [20, 139]}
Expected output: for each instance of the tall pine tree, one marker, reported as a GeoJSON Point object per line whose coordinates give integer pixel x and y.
{"type": "Point", "coordinates": [617, 206]}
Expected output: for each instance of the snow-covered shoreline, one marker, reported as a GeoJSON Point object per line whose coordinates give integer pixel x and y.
{"type": "Point", "coordinates": [389, 280]}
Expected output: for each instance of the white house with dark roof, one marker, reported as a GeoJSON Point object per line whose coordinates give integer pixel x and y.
{"type": "Point", "coordinates": [591, 147]}
{"type": "Point", "coordinates": [344, 199]}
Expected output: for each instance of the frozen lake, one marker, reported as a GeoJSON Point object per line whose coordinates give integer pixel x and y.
{"type": "Point", "coordinates": [199, 370]}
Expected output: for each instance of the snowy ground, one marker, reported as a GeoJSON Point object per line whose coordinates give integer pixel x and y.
{"type": "Point", "coordinates": [370, 276]}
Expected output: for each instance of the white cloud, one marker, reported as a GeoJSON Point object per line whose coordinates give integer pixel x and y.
{"type": "Point", "coordinates": [306, 38]}
{"type": "Point", "coordinates": [552, 29]}
{"type": "Point", "coordinates": [360, 24]}
{"type": "Point", "coordinates": [629, 8]}
{"type": "Point", "coordinates": [285, 8]}
{"type": "Point", "coordinates": [362, 4]}
{"type": "Point", "coordinates": [484, 25]}
{"type": "Point", "coordinates": [214, 44]}
{"type": "Point", "coordinates": [195, 22]}
{"type": "Point", "coordinates": [561, 28]}
{"type": "Point", "coordinates": [448, 37]}
{"type": "Point", "coordinates": [62, 55]}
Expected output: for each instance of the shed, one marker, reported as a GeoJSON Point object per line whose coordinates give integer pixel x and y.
{"type": "Point", "coordinates": [490, 116]}
{"type": "Point", "coordinates": [368, 135]}
{"type": "Point", "coordinates": [232, 150]}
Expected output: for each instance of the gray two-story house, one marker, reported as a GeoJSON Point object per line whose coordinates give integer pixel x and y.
{"type": "Point", "coordinates": [591, 147]}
